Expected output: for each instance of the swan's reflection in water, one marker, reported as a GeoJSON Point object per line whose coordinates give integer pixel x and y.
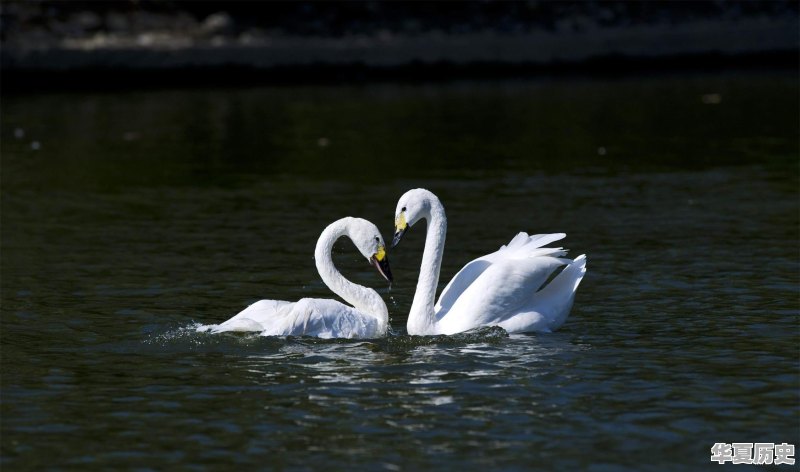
{"type": "Point", "coordinates": [409, 384]}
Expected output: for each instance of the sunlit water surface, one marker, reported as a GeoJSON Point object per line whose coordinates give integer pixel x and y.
{"type": "Point", "coordinates": [139, 215]}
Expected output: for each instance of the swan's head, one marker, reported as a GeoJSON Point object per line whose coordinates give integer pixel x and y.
{"type": "Point", "coordinates": [369, 242]}
{"type": "Point", "coordinates": [413, 206]}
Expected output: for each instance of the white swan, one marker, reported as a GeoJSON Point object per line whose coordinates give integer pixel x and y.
{"type": "Point", "coordinates": [503, 288]}
{"type": "Point", "coordinates": [324, 318]}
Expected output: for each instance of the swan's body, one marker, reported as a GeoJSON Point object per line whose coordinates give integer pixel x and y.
{"type": "Point", "coordinates": [504, 288]}
{"type": "Point", "coordinates": [368, 316]}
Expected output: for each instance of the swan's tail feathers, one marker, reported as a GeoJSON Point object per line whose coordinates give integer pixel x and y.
{"type": "Point", "coordinates": [239, 325]}
{"type": "Point", "coordinates": [556, 298]}
{"type": "Point", "coordinates": [523, 246]}
{"type": "Point", "coordinates": [256, 317]}
{"type": "Point", "coordinates": [519, 240]}
{"type": "Point", "coordinates": [573, 273]}
{"type": "Point", "coordinates": [205, 328]}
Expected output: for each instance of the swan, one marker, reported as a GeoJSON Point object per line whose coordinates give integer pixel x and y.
{"type": "Point", "coordinates": [368, 317]}
{"type": "Point", "coordinates": [505, 288]}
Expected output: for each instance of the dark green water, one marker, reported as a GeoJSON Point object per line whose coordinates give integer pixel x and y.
{"type": "Point", "coordinates": [141, 214]}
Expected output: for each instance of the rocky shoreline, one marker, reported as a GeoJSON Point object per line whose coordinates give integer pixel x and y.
{"type": "Point", "coordinates": [87, 42]}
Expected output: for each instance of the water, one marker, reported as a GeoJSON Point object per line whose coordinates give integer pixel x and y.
{"type": "Point", "coordinates": [141, 214]}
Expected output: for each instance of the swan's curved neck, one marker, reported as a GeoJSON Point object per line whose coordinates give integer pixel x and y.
{"type": "Point", "coordinates": [365, 300]}
{"type": "Point", "coordinates": [422, 317]}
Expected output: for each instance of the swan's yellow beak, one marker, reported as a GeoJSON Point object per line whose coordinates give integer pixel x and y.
{"type": "Point", "coordinates": [381, 262]}
{"type": "Point", "coordinates": [400, 227]}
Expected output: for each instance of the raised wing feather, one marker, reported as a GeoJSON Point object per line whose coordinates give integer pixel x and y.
{"type": "Point", "coordinates": [498, 293]}
{"type": "Point", "coordinates": [520, 247]}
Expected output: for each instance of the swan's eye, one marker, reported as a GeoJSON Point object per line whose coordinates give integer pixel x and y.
{"type": "Point", "coordinates": [377, 239]}
{"type": "Point", "coordinates": [403, 209]}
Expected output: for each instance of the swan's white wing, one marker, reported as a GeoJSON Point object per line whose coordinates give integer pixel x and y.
{"type": "Point", "coordinates": [323, 318]}
{"type": "Point", "coordinates": [318, 317]}
{"type": "Point", "coordinates": [498, 293]}
{"type": "Point", "coordinates": [462, 280]}
{"type": "Point", "coordinates": [520, 247]}
{"type": "Point", "coordinates": [253, 318]}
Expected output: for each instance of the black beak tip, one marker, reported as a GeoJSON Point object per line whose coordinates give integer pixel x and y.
{"type": "Point", "coordinates": [383, 268]}
{"type": "Point", "coordinates": [397, 237]}
{"type": "Point", "coordinates": [386, 270]}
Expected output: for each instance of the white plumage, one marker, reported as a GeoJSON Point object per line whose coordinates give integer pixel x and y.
{"type": "Point", "coordinates": [505, 288]}
{"type": "Point", "coordinates": [324, 318]}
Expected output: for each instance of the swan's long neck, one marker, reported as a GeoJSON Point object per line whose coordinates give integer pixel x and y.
{"type": "Point", "coordinates": [422, 317]}
{"type": "Point", "coordinates": [365, 300]}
